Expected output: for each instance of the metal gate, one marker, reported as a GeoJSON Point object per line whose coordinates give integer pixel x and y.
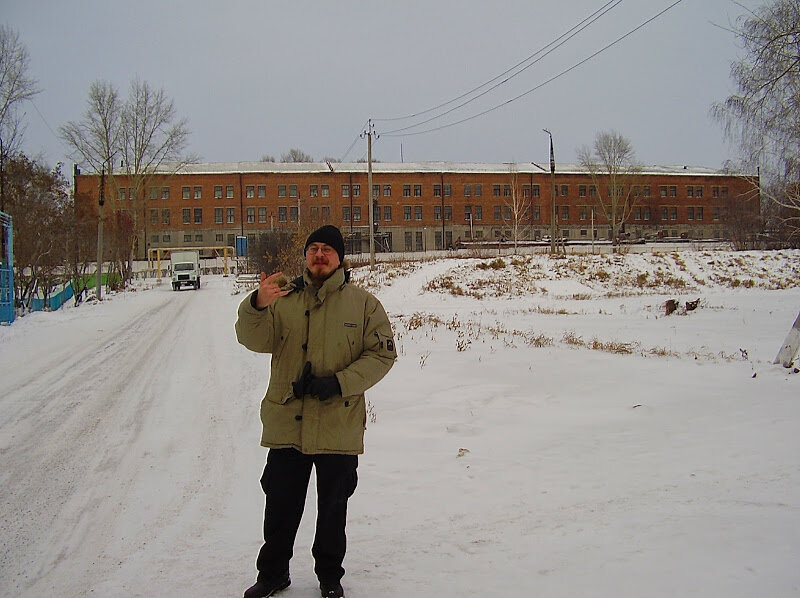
{"type": "Point", "coordinates": [6, 269]}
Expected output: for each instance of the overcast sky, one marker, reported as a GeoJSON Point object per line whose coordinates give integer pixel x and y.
{"type": "Point", "coordinates": [260, 77]}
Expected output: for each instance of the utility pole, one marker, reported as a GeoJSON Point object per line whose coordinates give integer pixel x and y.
{"type": "Point", "coordinates": [552, 194]}
{"type": "Point", "coordinates": [99, 269]}
{"type": "Point", "coordinates": [369, 133]}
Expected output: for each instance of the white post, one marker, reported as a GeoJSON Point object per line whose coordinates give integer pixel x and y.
{"type": "Point", "coordinates": [790, 346]}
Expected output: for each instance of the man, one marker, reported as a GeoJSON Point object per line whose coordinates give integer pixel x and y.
{"type": "Point", "coordinates": [330, 341]}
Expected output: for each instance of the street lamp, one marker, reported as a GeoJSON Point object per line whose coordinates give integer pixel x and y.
{"type": "Point", "coordinates": [552, 194]}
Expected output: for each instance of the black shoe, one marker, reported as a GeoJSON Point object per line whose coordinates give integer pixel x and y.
{"type": "Point", "coordinates": [268, 587]}
{"type": "Point", "coordinates": [331, 590]}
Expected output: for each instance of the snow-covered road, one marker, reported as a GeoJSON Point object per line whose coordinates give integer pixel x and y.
{"type": "Point", "coordinates": [112, 442]}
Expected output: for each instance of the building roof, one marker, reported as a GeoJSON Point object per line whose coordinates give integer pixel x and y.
{"type": "Point", "coordinates": [379, 168]}
{"type": "Point", "coordinates": [419, 167]}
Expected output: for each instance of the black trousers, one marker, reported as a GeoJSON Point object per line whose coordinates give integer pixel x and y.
{"type": "Point", "coordinates": [285, 484]}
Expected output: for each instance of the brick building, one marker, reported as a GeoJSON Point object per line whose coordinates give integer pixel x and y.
{"type": "Point", "coordinates": [419, 206]}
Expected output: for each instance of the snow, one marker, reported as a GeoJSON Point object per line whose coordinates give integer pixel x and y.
{"type": "Point", "coordinates": [546, 429]}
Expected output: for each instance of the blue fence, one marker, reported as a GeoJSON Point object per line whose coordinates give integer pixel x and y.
{"type": "Point", "coordinates": [54, 300]}
{"type": "Point", "coordinates": [6, 269]}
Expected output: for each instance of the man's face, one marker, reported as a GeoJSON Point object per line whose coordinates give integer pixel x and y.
{"type": "Point", "coordinates": [322, 261]}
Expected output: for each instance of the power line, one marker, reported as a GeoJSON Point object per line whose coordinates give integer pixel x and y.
{"type": "Point", "coordinates": [582, 24]}
{"type": "Point", "coordinates": [548, 81]}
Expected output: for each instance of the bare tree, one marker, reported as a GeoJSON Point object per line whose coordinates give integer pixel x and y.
{"type": "Point", "coordinates": [37, 200]}
{"type": "Point", "coordinates": [517, 208]}
{"type": "Point", "coordinates": [763, 115]}
{"type": "Point", "coordinates": [296, 155]}
{"type": "Point", "coordinates": [267, 158]}
{"type": "Point", "coordinates": [16, 86]}
{"type": "Point", "coordinates": [153, 143]}
{"type": "Point", "coordinates": [612, 165]}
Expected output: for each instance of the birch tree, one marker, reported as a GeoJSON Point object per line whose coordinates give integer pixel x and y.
{"type": "Point", "coordinates": [615, 173]}
{"type": "Point", "coordinates": [763, 115]}
{"type": "Point", "coordinates": [16, 87]}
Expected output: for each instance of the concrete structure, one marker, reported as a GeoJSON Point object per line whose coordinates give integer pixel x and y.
{"type": "Point", "coordinates": [420, 206]}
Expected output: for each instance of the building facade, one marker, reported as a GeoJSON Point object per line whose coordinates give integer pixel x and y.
{"type": "Point", "coordinates": [420, 206]}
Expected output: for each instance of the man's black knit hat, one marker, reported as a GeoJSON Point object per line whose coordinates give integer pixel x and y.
{"type": "Point", "coordinates": [330, 235]}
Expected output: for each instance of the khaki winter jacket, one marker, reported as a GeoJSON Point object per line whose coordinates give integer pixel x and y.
{"type": "Point", "coordinates": [342, 330]}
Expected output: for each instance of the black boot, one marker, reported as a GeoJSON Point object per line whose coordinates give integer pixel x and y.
{"type": "Point", "coordinates": [267, 587]}
{"type": "Point", "coordinates": [331, 590]}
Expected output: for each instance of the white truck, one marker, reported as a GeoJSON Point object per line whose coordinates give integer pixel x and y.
{"type": "Point", "coordinates": [185, 269]}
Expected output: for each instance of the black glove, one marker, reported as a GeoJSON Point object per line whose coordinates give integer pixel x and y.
{"type": "Point", "coordinates": [324, 388]}
{"type": "Point", "coordinates": [301, 386]}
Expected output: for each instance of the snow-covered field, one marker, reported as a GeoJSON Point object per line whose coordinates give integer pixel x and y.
{"type": "Point", "coordinates": [547, 431]}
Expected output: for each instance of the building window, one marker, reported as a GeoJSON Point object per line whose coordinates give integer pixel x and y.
{"type": "Point", "coordinates": [724, 192]}
{"type": "Point", "coordinates": [251, 215]}
{"type": "Point", "coordinates": [219, 237]}
{"type": "Point", "coordinates": [437, 212]}
{"type": "Point", "coordinates": [262, 214]}
{"type": "Point", "coordinates": [376, 190]}
{"type": "Point", "coordinates": [187, 238]}
{"type": "Point", "coordinates": [497, 214]}
{"type": "Point", "coordinates": [198, 192]}
{"type": "Point", "coordinates": [419, 241]}
{"type": "Point", "coordinates": [356, 190]}
{"type": "Point", "coordinates": [535, 192]}
{"type": "Point", "coordinates": [154, 192]}
{"type": "Point", "coordinates": [121, 196]}
{"type": "Point", "coordinates": [664, 213]}
{"type": "Point", "coordinates": [293, 213]}
{"type": "Point", "coordinates": [281, 190]}
{"type": "Point", "coordinates": [417, 190]}
{"type": "Point", "coordinates": [313, 190]}
{"type": "Point", "coordinates": [698, 192]}
{"type": "Point", "coordinates": [217, 215]}
{"type": "Point", "coordinates": [356, 213]}
{"type": "Point", "coordinates": [345, 190]}
{"type": "Point", "coordinates": [387, 190]}
{"type": "Point", "coordinates": [689, 191]}
{"type": "Point", "coordinates": [231, 215]}
{"type": "Point", "coordinates": [448, 190]}
{"type": "Point", "coordinates": [198, 237]}
{"type": "Point", "coordinates": [198, 215]}
{"type": "Point", "coordinates": [250, 191]}
{"type": "Point", "coordinates": [406, 190]}
{"type": "Point", "coordinates": [714, 191]}
{"type": "Point", "coordinates": [689, 213]}
{"type": "Point", "coordinates": [715, 214]}
{"type": "Point", "coordinates": [346, 213]}
{"type": "Point", "coordinates": [153, 216]}
{"type": "Point", "coordinates": [406, 212]}
{"type": "Point", "coordinates": [537, 213]}
{"type": "Point", "coordinates": [467, 190]}
{"type": "Point", "coordinates": [699, 213]}
{"type": "Point", "coordinates": [326, 213]}
{"type": "Point", "coordinates": [673, 213]}
{"type": "Point", "coordinates": [673, 191]}
{"type": "Point", "coordinates": [217, 191]}
{"type": "Point", "coordinates": [477, 190]}
{"type": "Point", "coordinates": [437, 190]}
{"type": "Point", "coordinates": [564, 190]}
{"type": "Point", "coordinates": [408, 239]}
{"type": "Point", "coordinates": [582, 191]}
{"type": "Point", "coordinates": [495, 190]}
{"type": "Point", "coordinates": [564, 212]}
{"type": "Point", "coordinates": [417, 212]}
{"type": "Point", "coordinates": [165, 216]}
{"type": "Point", "coordinates": [186, 215]}
{"type": "Point", "coordinates": [186, 192]}
{"type": "Point", "coordinates": [229, 191]}
{"type": "Point", "coordinates": [387, 212]}
{"type": "Point", "coordinates": [663, 189]}
{"type": "Point", "coordinates": [282, 214]}
{"type": "Point", "coordinates": [166, 238]}
{"type": "Point", "coordinates": [292, 190]}
{"type": "Point", "coordinates": [262, 191]}
{"type": "Point", "coordinates": [646, 190]}
{"type": "Point", "coordinates": [448, 212]}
